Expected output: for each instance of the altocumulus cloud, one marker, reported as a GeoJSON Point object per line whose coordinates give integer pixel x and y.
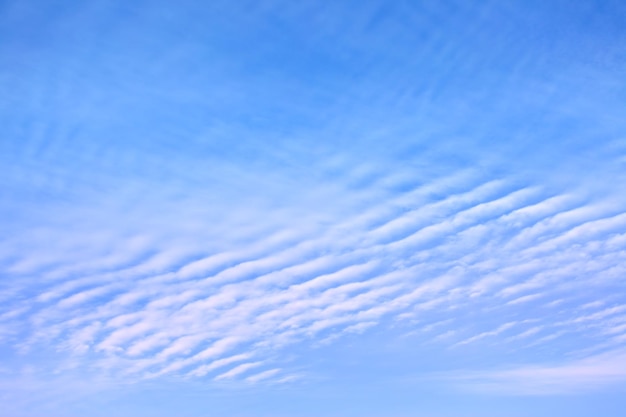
{"type": "Point", "coordinates": [215, 194]}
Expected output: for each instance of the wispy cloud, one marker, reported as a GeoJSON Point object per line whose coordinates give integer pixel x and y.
{"type": "Point", "coordinates": [177, 315]}
{"type": "Point", "coordinates": [213, 193]}
{"type": "Point", "coordinates": [592, 373]}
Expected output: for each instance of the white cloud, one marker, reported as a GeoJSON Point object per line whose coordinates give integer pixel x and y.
{"type": "Point", "coordinates": [263, 375]}
{"type": "Point", "coordinates": [490, 333]}
{"type": "Point", "coordinates": [205, 369]}
{"type": "Point", "coordinates": [238, 370]}
{"type": "Point", "coordinates": [183, 311]}
{"type": "Point", "coordinates": [583, 375]}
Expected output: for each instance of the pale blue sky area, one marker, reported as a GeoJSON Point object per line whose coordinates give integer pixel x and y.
{"type": "Point", "coordinates": [312, 208]}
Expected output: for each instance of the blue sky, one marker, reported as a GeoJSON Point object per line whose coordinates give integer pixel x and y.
{"type": "Point", "coordinates": [276, 208]}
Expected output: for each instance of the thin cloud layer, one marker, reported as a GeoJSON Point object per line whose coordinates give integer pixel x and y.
{"type": "Point", "coordinates": [592, 373]}
{"type": "Point", "coordinates": [269, 196]}
{"type": "Point", "coordinates": [487, 245]}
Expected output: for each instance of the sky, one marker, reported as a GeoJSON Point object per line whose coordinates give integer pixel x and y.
{"type": "Point", "coordinates": [306, 208]}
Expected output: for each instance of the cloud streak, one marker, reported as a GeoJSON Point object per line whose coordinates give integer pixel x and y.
{"type": "Point", "coordinates": [592, 373]}
{"type": "Point", "coordinates": [155, 319]}
{"type": "Point", "coordinates": [243, 195]}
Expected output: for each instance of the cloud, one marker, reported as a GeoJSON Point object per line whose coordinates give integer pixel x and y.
{"type": "Point", "coordinates": [574, 377]}
{"type": "Point", "coordinates": [238, 370]}
{"type": "Point", "coordinates": [301, 207]}
{"type": "Point", "coordinates": [187, 311]}
{"type": "Point", "coordinates": [204, 369]}
{"type": "Point", "coordinates": [263, 375]}
{"type": "Point", "coordinates": [483, 335]}
{"type": "Point", "coordinates": [161, 315]}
